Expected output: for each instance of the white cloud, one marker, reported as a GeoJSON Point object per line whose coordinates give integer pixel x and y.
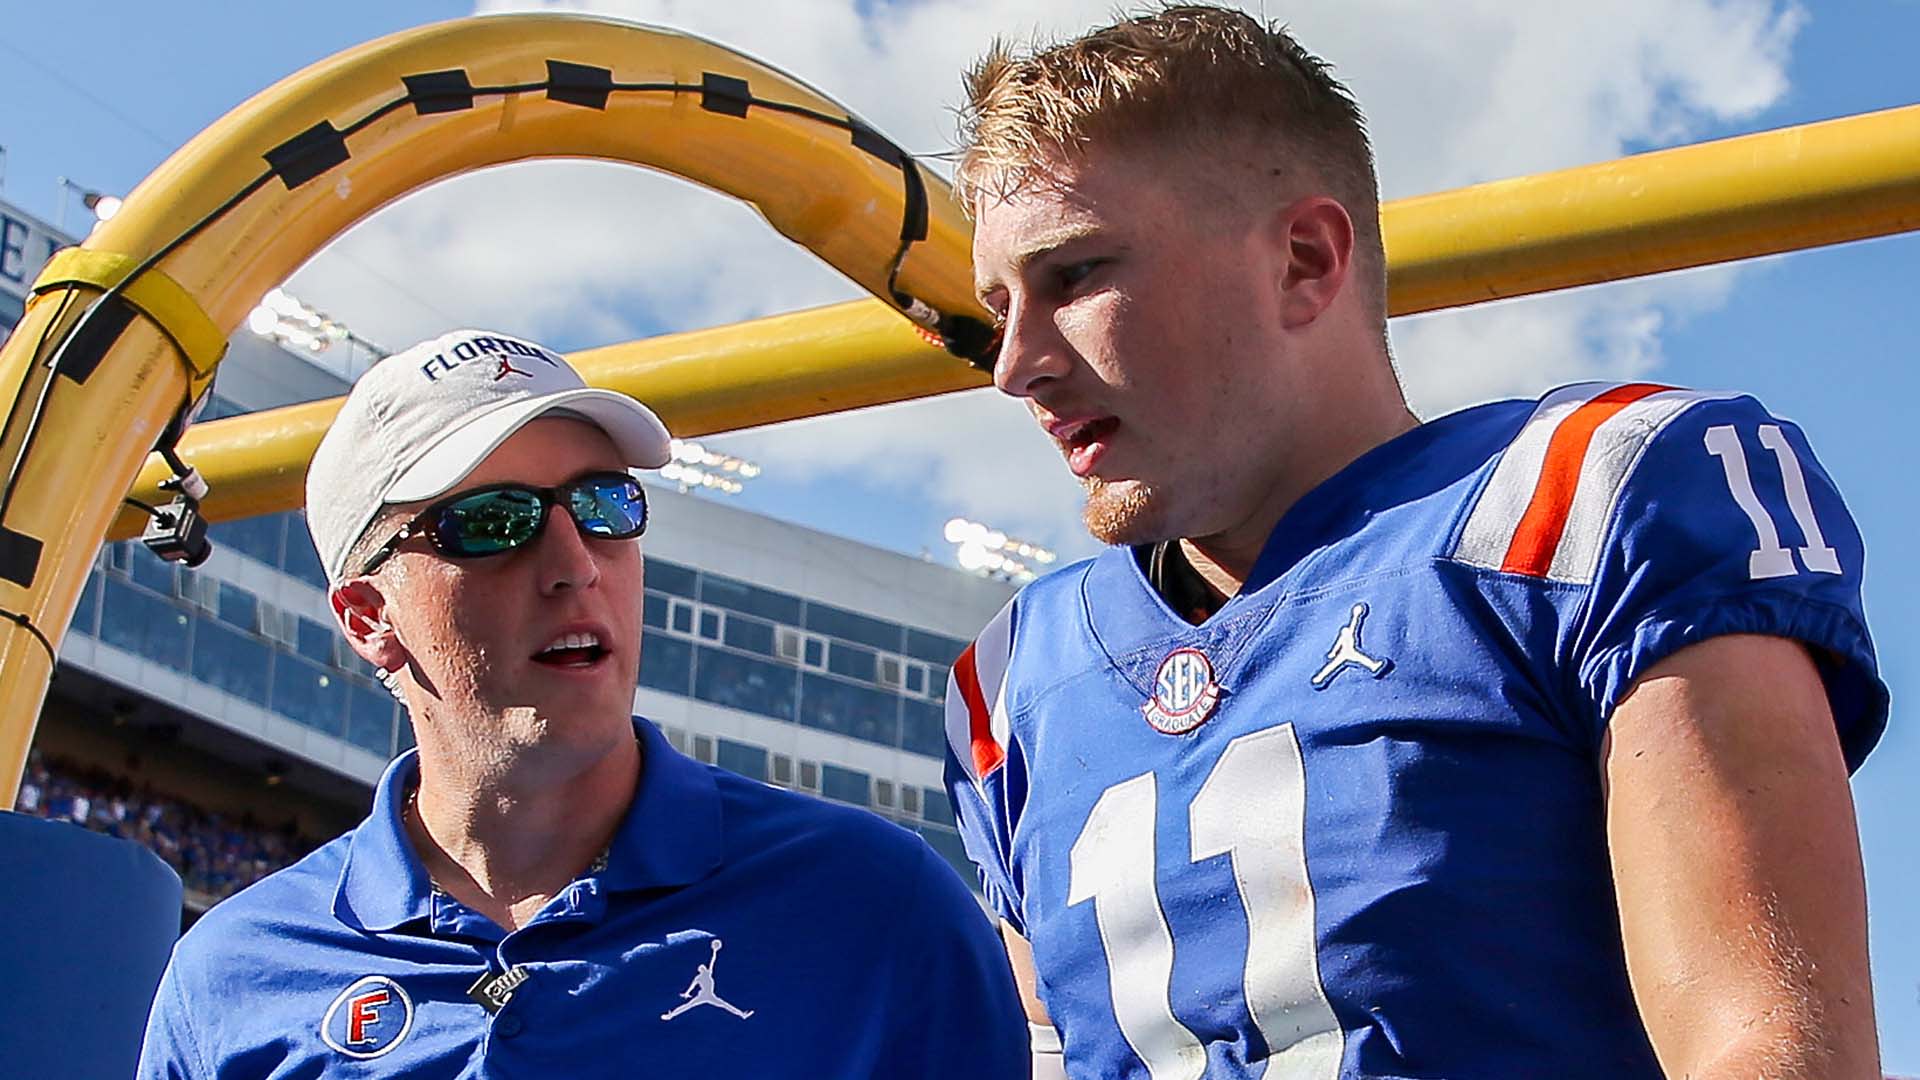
{"type": "Point", "coordinates": [582, 253]}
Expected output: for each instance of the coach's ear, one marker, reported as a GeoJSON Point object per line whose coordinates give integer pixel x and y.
{"type": "Point", "coordinates": [360, 609]}
{"type": "Point", "coordinates": [1315, 240]}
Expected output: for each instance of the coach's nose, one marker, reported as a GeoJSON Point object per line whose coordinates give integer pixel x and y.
{"type": "Point", "coordinates": [566, 558]}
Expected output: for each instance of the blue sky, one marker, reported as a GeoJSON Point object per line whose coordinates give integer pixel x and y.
{"type": "Point", "coordinates": [101, 93]}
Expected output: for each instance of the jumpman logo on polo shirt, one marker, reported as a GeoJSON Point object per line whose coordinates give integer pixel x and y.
{"type": "Point", "coordinates": [700, 990]}
{"type": "Point", "coordinates": [507, 368]}
{"type": "Point", "coordinates": [1346, 653]}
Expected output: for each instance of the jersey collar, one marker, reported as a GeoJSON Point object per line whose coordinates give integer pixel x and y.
{"type": "Point", "coordinates": [673, 832]}
{"type": "Point", "coordinates": [671, 835]}
{"type": "Point", "coordinates": [1137, 628]}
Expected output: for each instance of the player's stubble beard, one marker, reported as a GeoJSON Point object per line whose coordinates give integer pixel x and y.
{"type": "Point", "coordinates": [1127, 512]}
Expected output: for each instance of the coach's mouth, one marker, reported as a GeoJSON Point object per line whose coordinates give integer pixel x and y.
{"type": "Point", "coordinates": [574, 649]}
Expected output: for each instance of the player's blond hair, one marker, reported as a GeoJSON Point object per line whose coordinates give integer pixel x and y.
{"type": "Point", "coordinates": [1199, 74]}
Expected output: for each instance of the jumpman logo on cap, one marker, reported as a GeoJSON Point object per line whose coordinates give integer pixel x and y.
{"type": "Point", "coordinates": [1346, 653]}
{"type": "Point", "coordinates": [507, 368]}
{"type": "Point", "coordinates": [700, 990]}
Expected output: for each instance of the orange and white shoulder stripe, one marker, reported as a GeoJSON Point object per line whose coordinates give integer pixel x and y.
{"type": "Point", "coordinates": [976, 699]}
{"type": "Point", "coordinates": [1548, 508]}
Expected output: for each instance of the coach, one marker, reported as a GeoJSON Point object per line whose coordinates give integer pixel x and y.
{"type": "Point", "coordinates": [545, 887]}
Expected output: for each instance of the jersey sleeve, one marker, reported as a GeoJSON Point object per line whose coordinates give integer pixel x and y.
{"type": "Point", "coordinates": [982, 766]}
{"type": "Point", "coordinates": [963, 1019]}
{"type": "Point", "coordinates": [1722, 522]}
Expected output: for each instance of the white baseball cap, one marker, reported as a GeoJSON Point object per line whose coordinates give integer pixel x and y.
{"type": "Point", "coordinates": [419, 421]}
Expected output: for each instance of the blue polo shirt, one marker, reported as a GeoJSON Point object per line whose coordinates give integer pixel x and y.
{"type": "Point", "coordinates": [733, 929]}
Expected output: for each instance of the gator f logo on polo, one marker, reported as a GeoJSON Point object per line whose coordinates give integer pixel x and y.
{"type": "Point", "coordinates": [1184, 693]}
{"type": "Point", "coordinates": [368, 1019]}
{"type": "Point", "coordinates": [700, 991]}
{"type": "Point", "coordinates": [502, 350]}
{"type": "Point", "coordinates": [1346, 653]}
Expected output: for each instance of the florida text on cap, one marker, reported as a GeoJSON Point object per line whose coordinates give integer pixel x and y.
{"type": "Point", "coordinates": [419, 421]}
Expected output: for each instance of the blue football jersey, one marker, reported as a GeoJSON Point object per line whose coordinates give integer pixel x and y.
{"type": "Point", "coordinates": [1352, 825]}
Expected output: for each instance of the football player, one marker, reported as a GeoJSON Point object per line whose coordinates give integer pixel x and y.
{"type": "Point", "coordinates": [1510, 744]}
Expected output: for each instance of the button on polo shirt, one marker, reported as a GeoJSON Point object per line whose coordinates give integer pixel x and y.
{"type": "Point", "coordinates": [733, 928]}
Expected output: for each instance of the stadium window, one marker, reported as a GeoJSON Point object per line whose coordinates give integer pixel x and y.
{"type": "Point", "coordinates": [238, 608]}
{"type": "Point", "coordinates": [782, 769]}
{"type": "Point", "coordinates": [749, 599]}
{"type": "Point", "coordinates": [310, 695]}
{"type": "Point", "coordinates": [923, 728]}
{"type": "Point", "coordinates": [316, 642]}
{"type": "Point", "coordinates": [120, 556]}
{"type": "Point", "coordinates": [809, 776]}
{"type": "Point", "coordinates": [936, 807]}
{"type": "Point", "coordinates": [883, 793]}
{"type": "Point", "coordinates": [753, 635]}
{"type": "Point", "coordinates": [763, 687]}
{"type": "Point", "coordinates": [279, 625]}
{"type": "Point", "coordinates": [653, 611]}
{"type": "Point", "coordinates": [231, 661]}
{"type": "Point", "coordinates": [852, 626]}
{"type": "Point", "coordinates": [370, 717]}
{"type": "Point", "coordinates": [748, 761]}
{"type": "Point", "coordinates": [666, 664]}
{"type": "Point", "coordinates": [813, 653]}
{"type": "Point", "coordinates": [703, 748]}
{"type": "Point", "coordinates": [846, 709]}
{"type": "Point", "coordinates": [186, 586]}
{"type": "Point", "coordinates": [11, 308]}
{"type": "Point", "coordinates": [680, 617]}
{"type": "Point", "coordinates": [712, 622]}
{"type": "Point", "coordinates": [936, 649]}
{"type": "Point", "coordinates": [672, 578]}
{"type": "Point", "coordinates": [258, 537]}
{"type": "Point", "coordinates": [916, 678]}
{"type": "Point", "coordinates": [145, 625]}
{"type": "Point", "coordinates": [890, 672]}
{"type": "Point", "coordinates": [150, 571]}
{"type": "Point", "coordinates": [675, 738]}
{"type": "Point", "coordinates": [86, 617]}
{"type": "Point", "coordinates": [301, 560]}
{"type": "Point", "coordinates": [200, 590]}
{"type": "Point", "coordinates": [403, 733]}
{"type": "Point", "coordinates": [845, 785]}
{"type": "Point", "coordinates": [852, 661]}
{"type": "Point", "coordinates": [909, 799]}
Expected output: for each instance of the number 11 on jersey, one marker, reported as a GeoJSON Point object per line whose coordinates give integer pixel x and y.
{"type": "Point", "coordinates": [1252, 808]}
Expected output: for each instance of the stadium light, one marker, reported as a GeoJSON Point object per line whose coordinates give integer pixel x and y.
{"type": "Point", "coordinates": [989, 552]}
{"type": "Point", "coordinates": [696, 468]}
{"type": "Point", "coordinates": [284, 318]}
{"type": "Point", "coordinates": [102, 205]}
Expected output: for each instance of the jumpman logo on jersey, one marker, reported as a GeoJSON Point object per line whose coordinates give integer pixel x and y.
{"type": "Point", "coordinates": [1346, 653]}
{"type": "Point", "coordinates": [700, 990]}
{"type": "Point", "coordinates": [507, 368]}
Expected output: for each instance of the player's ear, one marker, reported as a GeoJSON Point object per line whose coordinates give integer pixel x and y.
{"type": "Point", "coordinates": [1314, 242]}
{"type": "Point", "coordinates": [360, 610]}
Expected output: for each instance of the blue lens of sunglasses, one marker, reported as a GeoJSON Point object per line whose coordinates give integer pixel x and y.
{"type": "Point", "coordinates": [608, 506]}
